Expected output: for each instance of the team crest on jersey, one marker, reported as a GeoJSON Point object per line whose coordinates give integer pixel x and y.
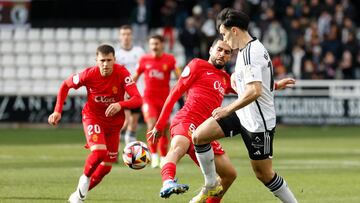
{"type": "Point", "coordinates": [94, 137]}
{"type": "Point", "coordinates": [114, 90]}
{"type": "Point", "coordinates": [165, 67]}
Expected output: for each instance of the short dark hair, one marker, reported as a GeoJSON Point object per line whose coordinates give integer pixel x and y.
{"type": "Point", "coordinates": [216, 40]}
{"type": "Point", "coordinates": [230, 17]}
{"type": "Point", "coordinates": [158, 37]}
{"type": "Point", "coordinates": [105, 49]}
{"type": "Point", "coordinates": [126, 27]}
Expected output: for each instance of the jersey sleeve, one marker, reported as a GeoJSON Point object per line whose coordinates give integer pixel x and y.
{"type": "Point", "coordinates": [135, 100]}
{"type": "Point", "coordinates": [186, 79]}
{"type": "Point", "coordinates": [141, 66]}
{"type": "Point", "coordinates": [77, 80]}
{"type": "Point", "coordinates": [253, 67]}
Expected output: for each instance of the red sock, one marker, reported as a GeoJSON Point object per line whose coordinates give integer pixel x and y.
{"type": "Point", "coordinates": [163, 145]}
{"type": "Point", "coordinates": [98, 175]}
{"type": "Point", "coordinates": [213, 200]}
{"type": "Point", "coordinates": [151, 145]}
{"type": "Point", "coordinates": [168, 171]}
{"type": "Point", "coordinates": [93, 161]}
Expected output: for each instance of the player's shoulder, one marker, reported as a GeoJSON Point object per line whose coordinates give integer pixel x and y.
{"type": "Point", "coordinates": [119, 68]}
{"type": "Point", "coordinates": [138, 49]}
{"type": "Point", "coordinates": [255, 51]}
{"type": "Point", "coordinates": [168, 56]}
{"type": "Point", "coordinates": [197, 62]}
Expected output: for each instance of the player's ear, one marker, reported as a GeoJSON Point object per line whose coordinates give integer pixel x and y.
{"type": "Point", "coordinates": [210, 50]}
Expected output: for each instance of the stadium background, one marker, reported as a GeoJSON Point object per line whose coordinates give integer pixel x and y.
{"type": "Point", "coordinates": [43, 41]}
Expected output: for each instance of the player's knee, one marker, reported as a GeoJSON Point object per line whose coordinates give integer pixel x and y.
{"type": "Point", "coordinates": [100, 154]}
{"type": "Point", "coordinates": [195, 138]}
{"type": "Point", "coordinates": [264, 176]}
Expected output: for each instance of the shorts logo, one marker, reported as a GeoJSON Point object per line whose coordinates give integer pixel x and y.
{"type": "Point", "coordinates": [192, 129]}
{"type": "Point", "coordinates": [94, 137]}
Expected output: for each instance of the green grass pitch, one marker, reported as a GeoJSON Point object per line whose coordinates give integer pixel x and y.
{"type": "Point", "coordinates": [320, 164]}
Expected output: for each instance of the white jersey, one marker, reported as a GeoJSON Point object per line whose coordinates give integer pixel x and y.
{"type": "Point", "coordinates": [253, 63]}
{"type": "Point", "coordinates": [129, 58]}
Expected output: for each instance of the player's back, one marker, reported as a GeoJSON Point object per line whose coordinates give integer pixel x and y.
{"type": "Point", "coordinates": [206, 88]}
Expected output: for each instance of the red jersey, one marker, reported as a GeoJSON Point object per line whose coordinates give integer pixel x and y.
{"type": "Point", "coordinates": [103, 91]}
{"type": "Point", "coordinates": [157, 72]}
{"type": "Point", "coordinates": [205, 86]}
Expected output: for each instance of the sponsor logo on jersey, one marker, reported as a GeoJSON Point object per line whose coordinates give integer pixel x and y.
{"type": "Point", "coordinates": [209, 73]}
{"type": "Point", "coordinates": [104, 99]}
{"type": "Point", "coordinates": [128, 80]}
{"type": "Point", "coordinates": [218, 86]}
{"type": "Point", "coordinates": [156, 74]}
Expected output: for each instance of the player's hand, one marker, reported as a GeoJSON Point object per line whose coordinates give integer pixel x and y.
{"type": "Point", "coordinates": [219, 113]}
{"type": "Point", "coordinates": [233, 83]}
{"type": "Point", "coordinates": [285, 83]}
{"type": "Point", "coordinates": [112, 109]}
{"type": "Point", "coordinates": [153, 135]}
{"type": "Point", "coordinates": [54, 118]}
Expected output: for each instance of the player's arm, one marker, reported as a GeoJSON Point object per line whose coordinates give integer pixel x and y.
{"type": "Point", "coordinates": [284, 83]}
{"type": "Point", "coordinates": [135, 77]}
{"type": "Point", "coordinates": [252, 92]}
{"type": "Point", "coordinates": [55, 117]}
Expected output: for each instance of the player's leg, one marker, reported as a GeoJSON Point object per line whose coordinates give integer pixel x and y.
{"type": "Point", "coordinates": [112, 144]}
{"type": "Point", "coordinates": [261, 162]}
{"type": "Point", "coordinates": [208, 131]}
{"type": "Point", "coordinates": [227, 175]}
{"type": "Point", "coordinates": [150, 115]}
{"type": "Point", "coordinates": [178, 148]}
{"type": "Point", "coordinates": [163, 145]}
{"type": "Point", "coordinates": [130, 134]}
{"type": "Point", "coordinates": [95, 138]}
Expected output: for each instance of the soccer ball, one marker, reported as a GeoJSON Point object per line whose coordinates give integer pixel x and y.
{"type": "Point", "coordinates": [136, 155]}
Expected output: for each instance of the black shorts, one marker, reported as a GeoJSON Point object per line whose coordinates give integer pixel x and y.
{"type": "Point", "coordinates": [259, 145]}
{"type": "Point", "coordinates": [137, 110]}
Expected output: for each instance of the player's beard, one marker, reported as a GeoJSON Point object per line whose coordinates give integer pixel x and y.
{"type": "Point", "coordinates": [217, 65]}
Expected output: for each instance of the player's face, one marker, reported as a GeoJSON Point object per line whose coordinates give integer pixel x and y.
{"type": "Point", "coordinates": [156, 46]}
{"type": "Point", "coordinates": [105, 62]}
{"type": "Point", "coordinates": [220, 54]}
{"type": "Point", "coordinates": [125, 37]}
{"type": "Point", "coordinates": [229, 36]}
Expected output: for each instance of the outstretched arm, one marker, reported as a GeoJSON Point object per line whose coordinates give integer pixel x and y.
{"type": "Point", "coordinates": [55, 117]}
{"type": "Point", "coordinates": [284, 83]}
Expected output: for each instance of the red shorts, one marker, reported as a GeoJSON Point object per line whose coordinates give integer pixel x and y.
{"type": "Point", "coordinates": [100, 133]}
{"type": "Point", "coordinates": [151, 109]}
{"type": "Point", "coordinates": [186, 130]}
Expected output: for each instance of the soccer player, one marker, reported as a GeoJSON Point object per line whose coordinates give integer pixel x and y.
{"type": "Point", "coordinates": [203, 81]}
{"type": "Point", "coordinates": [252, 115]}
{"type": "Point", "coordinates": [102, 116]}
{"type": "Point", "coordinates": [157, 67]}
{"type": "Point", "coordinates": [128, 55]}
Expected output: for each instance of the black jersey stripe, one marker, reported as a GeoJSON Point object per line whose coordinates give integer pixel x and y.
{"type": "Point", "coordinates": [249, 54]}
{"type": "Point", "coordinates": [261, 114]}
{"type": "Point", "coordinates": [244, 58]}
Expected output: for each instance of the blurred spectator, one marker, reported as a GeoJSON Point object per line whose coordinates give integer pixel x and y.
{"type": "Point", "coordinates": [332, 42]}
{"type": "Point", "coordinates": [208, 30]}
{"type": "Point", "coordinates": [347, 65]}
{"type": "Point", "coordinates": [275, 38]}
{"type": "Point", "coordinates": [139, 21]}
{"type": "Point", "coordinates": [190, 39]}
{"type": "Point", "coordinates": [327, 69]}
{"type": "Point", "coordinates": [168, 12]}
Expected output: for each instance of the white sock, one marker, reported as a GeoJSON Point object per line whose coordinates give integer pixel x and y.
{"type": "Point", "coordinates": [205, 156]}
{"type": "Point", "coordinates": [83, 186]}
{"type": "Point", "coordinates": [129, 137]}
{"type": "Point", "coordinates": [280, 189]}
